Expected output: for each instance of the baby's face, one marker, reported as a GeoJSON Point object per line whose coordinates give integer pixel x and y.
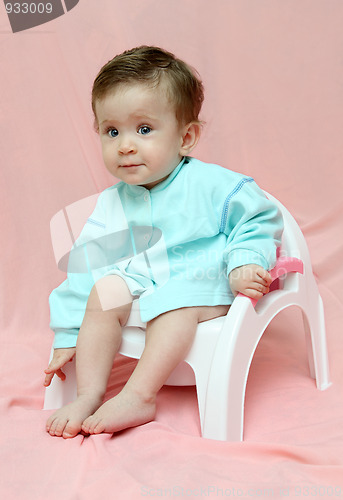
{"type": "Point", "coordinates": [140, 137]}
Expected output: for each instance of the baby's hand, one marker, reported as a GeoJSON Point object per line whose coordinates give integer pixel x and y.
{"type": "Point", "coordinates": [59, 359]}
{"type": "Point", "coordinates": [250, 280]}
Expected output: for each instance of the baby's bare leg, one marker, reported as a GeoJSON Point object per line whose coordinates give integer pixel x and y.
{"type": "Point", "coordinates": [169, 337]}
{"type": "Point", "coordinates": [98, 342]}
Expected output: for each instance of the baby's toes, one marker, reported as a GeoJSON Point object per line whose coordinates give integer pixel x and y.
{"type": "Point", "coordinates": [87, 424]}
{"type": "Point", "coordinates": [50, 422]}
{"type": "Point", "coordinates": [57, 427]}
{"type": "Point", "coordinates": [99, 427]}
{"type": "Point", "coordinates": [71, 429]}
{"type": "Point", "coordinates": [91, 424]}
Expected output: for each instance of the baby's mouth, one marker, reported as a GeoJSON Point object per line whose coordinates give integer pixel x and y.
{"type": "Point", "coordinates": [133, 165]}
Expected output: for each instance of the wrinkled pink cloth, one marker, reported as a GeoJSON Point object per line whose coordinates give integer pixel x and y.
{"type": "Point", "coordinates": [273, 77]}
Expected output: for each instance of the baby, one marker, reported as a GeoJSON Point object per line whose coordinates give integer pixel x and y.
{"type": "Point", "coordinates": [199, 234]}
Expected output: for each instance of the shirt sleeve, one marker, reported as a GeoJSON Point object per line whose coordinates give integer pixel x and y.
{"type": "Point", "coordinates": [253, 225]}
{"type": "Point", "coordinates": [68, 301]}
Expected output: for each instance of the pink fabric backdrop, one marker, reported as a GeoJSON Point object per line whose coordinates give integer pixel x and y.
{"type": "Point", "coordinates": [273, 75]}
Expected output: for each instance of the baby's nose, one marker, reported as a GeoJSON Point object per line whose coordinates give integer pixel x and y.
{"type": "Point", "coordinates": [127, 146]}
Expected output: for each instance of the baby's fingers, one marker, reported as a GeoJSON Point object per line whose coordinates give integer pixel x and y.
{"type": "Point", "coordinates": [48, 379]}
{"type": "Point", "coordinates": [50, 374]}
{"type": "Point", "coordinates": [259, 287]}
{"type": "Point", "coordinates": [256, 291]}
{"type": "Point", "coordinates": [54, 367]}
{"type": "Point", "coordinates": [265, 276]}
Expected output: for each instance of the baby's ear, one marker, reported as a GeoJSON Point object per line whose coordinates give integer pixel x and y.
{"type": "Point", "coordinates": [190, 137]}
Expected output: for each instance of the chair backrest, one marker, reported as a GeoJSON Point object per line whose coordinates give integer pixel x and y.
{"type": "Point", "coordinates": [293, 241]}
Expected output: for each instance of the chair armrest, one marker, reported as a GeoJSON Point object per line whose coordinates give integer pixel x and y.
{"type": "Point", "coordinates": [283, 266]}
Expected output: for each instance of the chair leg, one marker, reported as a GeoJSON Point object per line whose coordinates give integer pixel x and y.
{"type": "Point", "coordinates": [224, 406]}
{"type": "Point", "coordinates": [315, 335]}
{"type": "Point", "coordinates": [201, 384]}
{"type": "Point", "coordinates": [224, 419]}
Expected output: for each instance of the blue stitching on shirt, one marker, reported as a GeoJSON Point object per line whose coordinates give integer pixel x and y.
{"type": "Point", "coordinates": [228, 199]}
{"type": "Point", "coordinates": [96, 223]}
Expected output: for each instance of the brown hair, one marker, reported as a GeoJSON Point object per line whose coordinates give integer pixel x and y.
{"type": "Point", "coordinates": [151, 65]}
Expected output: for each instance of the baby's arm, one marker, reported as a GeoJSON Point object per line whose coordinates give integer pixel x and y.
{"type": "Point", "coordinates": [59, 359]}
{"type": "Point", "coordinates": [250, 280]}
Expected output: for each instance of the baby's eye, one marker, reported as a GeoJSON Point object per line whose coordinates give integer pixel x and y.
{"type": "Point", "coordinates": [112, 132]}
{"type": "Point", "coordinates": [144, 130]}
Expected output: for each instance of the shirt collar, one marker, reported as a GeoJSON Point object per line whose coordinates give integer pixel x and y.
{"type": "Point", "coordinates": [139, 190]}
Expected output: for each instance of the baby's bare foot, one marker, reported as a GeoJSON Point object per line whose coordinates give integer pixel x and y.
{"type": "Point", "coordinates": [127, 409]}
{"type": "Point", "coordinates": [67, 421]}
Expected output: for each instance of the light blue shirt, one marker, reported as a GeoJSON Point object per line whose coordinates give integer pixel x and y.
{"type": "Point", "coordinates": [174, 244]}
